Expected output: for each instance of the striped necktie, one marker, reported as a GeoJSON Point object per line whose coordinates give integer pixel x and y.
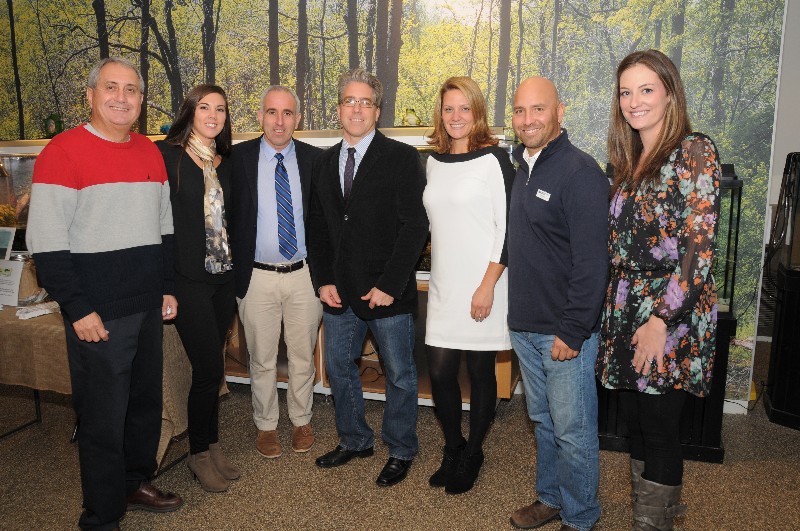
{"type": "Point", "coordinates": [287, 237]}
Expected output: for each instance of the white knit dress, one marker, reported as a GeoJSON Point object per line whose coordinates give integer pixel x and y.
{"type": "Point", "coordinates": [465, 198]}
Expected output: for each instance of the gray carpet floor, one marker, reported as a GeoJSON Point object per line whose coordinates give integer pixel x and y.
{"type": "Point", "coordinates": [757, 487]}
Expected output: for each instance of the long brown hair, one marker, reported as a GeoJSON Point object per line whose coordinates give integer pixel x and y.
{"type": "Point", "coordinates": [182, 126]}
{"type": "Point", "coordinates": [624, 143]}
{"type": "Point", "coordinates": [480, 136]}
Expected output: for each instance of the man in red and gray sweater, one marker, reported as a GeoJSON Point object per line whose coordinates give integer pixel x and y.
{"type": "Point", "coordinates": [100, 230]}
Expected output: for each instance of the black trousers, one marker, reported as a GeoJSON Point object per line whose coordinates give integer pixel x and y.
{"type": "Point", "coordinates": [204, 315]}
{"type": "Point", "coordinates": [116, 393]}
{"type": "Point", "coordinates": [653, 423]}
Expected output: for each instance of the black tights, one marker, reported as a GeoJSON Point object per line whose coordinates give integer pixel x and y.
{"type": "Point", "coordinates": [443, 365]}
{"type": "Point", "coordinates": [654, 428]}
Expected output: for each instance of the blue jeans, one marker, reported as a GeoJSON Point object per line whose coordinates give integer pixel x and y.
{"type": "Point", "coordinates": [562, 402]}
{"type": "Point", "coordinates": [344, 340]}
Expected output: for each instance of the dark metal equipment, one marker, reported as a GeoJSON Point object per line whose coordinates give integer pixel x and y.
{"type": "Point", "coordinates": [782, 398]}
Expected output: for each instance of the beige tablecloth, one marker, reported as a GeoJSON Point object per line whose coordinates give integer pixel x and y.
{"type": "Point", "coordinates": [33, 353]}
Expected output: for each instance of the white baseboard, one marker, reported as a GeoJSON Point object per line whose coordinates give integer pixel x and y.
{"type": "Point", "coordinates": [735, 407]}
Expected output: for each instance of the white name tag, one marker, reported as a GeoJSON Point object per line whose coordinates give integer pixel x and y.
{"type": "Point", "coordinates": [541, 194]}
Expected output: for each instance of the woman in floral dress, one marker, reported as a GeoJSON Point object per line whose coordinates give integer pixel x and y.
{"type": "Point", "coordinates": [660, 318]}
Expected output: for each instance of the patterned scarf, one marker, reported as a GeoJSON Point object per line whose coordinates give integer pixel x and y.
{"type": "Point", "coordinates": [218, 252]}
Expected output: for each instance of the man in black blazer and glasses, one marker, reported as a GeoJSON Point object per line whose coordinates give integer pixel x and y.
{"type": "Point", "coordinates": [367, 226]}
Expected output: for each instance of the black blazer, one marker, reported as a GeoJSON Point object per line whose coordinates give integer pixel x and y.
{"type": "Point", "coordinates": [186, 191]}
{"type": "Point", "coordinates": [374, 240]}
{"type": "Point", "coordinates": [244, 174]}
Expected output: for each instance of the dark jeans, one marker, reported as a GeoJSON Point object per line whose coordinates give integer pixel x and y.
{"type": "Point", "coordinates": [653, 423]}
{"type": "Point", "coordinates": [344, 340]}
{"type": "Point", "coordinates": [116, 393]}
{"type": "Point", "coordinates": [204, 315]}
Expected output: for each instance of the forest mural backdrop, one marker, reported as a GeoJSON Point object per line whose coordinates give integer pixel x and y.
{"type": "Point", "coordinates": [727, 51]}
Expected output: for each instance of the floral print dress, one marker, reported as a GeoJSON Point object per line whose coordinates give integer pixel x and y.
{"type": "Point", "coordinates": [661, 243]}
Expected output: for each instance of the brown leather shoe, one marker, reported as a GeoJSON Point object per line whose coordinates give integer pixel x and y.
{"type": "Point", "coordinates": [149, 498]}
{"type": "Point", "coordinates": [533, 515]}
{"type": "Point", "coordinates": [565, 527]}
{"type": "Point", "coordinates": [268, 445]}
{"type": "Point", "coordinates": [302, 438]}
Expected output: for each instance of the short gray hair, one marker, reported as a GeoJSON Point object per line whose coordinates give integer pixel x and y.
{"type": "Point", "coordinates": [280, 88]}
{"type": "Point", "coordinates": [94, 74]}
{"type": "Point", "coordinates": [359, 75]}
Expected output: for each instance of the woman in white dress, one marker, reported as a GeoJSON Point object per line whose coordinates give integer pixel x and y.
{"type": "Point", "coordinates": [466, 198]}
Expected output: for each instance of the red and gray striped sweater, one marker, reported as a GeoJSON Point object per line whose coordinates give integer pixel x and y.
{"type": "Point", "coordinates": [100, 225]}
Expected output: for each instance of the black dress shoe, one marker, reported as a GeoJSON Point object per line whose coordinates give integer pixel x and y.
{"type": "Point", "coordinates": [339, 456]}
{"type": "Point", "coordinates": [393, 472]}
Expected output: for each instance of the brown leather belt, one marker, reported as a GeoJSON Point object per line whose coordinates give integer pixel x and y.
{"type": "Point", "coordinates": [280, 268]}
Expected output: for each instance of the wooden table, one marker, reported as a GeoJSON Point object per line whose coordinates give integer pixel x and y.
{"type": "Point", "coordinates": [33, 353]}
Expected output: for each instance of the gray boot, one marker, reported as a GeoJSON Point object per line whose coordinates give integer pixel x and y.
{"type": "Point", "coordinates": [656, 505]}
{"type": "Point", "coordinates": [637, 469]}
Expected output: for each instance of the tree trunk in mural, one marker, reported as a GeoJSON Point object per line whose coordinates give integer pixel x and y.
{"type": "Point", "coordinates": [144, 60]}
{"type": "Point", "coordinates": [390, 81]}
{"type": "Point", "coordinates": [209, 36]}
{"type": "Point", "coordinates": [471, 62]}
{"type": "Point", "coordinates": [169, 56]}
{"type": "Point", "coordinates": [369, 44]}
{"type": "Point", "coordinates": [351, 20]}
{"type": "Point", "coordinates": [272, 44]}
{"type": "Point", "coordinates": [302, 60]}
{"type": "Point", "coordinates": [542, 53]}
{"type": "Point", "coordinates": [382, 53]}
{"type": "Point", "coordinates": [490, 49]}
{"type": "Point", "coordinates": [15, 66]}
{"type": "Point", "coordinates": [381, 38]}
{"type": "Point", "coordinates": [99, 7]}
{"type": "Point", "coordinates": [51, 78]}
{"type": "Point", "coordinates": [678, 24]}
{"type": "Point", "coordinates": [721, 60]}
{"type": "Point", "coordinates": [323, 104]}
{"type": "Point", "coordinates": [503, 59]}
{"type": "Point", "coordinates": [657, 34]}
{"type": "Point", "coordinates": [520, 43]}
{"type": "Point", "coordinates": [554, 41]}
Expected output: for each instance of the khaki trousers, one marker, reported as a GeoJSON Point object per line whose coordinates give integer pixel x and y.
{"type": "Point", "coordinates": [273, 298]}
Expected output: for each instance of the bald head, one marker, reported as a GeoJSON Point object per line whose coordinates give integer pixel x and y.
{"type": "Point", "coordinates": [537, 113]}
{"type": "Point", "coordinates": [540, 86]}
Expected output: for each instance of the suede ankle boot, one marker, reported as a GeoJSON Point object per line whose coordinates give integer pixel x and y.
{"type": "Point", "coordinates": [206, 473]}
{"type": "Point", "coordinates": [225, 468]}
{"type": "Point", "coordinates": [450, 458]}
{"type": "Point", "coordinates": [469, 466]}
{"type": "Point", "coordinates": [656, 505]}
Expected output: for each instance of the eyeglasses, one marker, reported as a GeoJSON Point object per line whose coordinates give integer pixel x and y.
{"type": "Point", "coordinates": [365, 103]}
